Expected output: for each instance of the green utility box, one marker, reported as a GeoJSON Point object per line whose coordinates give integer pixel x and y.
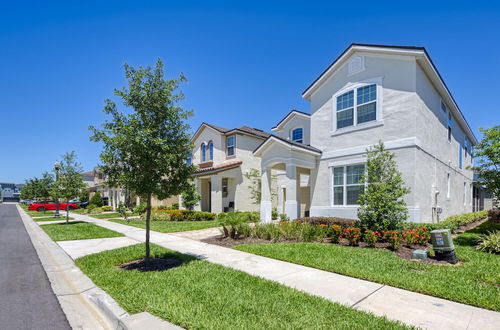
{"type": "Point", "coordinates": [441, 240]}
{"type": "Point", "coordinates": [442, 243]}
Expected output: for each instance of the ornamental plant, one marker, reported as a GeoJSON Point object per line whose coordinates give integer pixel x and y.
{"type": "Point", "coordinates": [353, 234]}
{"type": "Point", "coordinates": [410, 236]}
{"type": "Point", "coordinates": [423, 235]}
{"type": "Point", "coordinates": [394, 238]}
{"type": "Point", "coordinates": [371, 237]}
{"type": "Point", "coordinates": [381, 203]}
{"type": "Point", "coordinates": [335, 233]}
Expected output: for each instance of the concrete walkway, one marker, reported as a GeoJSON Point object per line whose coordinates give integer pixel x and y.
{"type": "Point", "coordinates": [26, 297]}
{"type": "Point", "coordinates": [396, 304]}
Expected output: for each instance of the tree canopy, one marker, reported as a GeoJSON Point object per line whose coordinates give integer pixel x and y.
{"type": "Point", "coordinates": [487, 160]}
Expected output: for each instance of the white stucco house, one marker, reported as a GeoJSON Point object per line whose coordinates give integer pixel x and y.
{"type": "Point", "coordinates": [223, 157]}
{"type": "Point", "coordinates": [369, 93]}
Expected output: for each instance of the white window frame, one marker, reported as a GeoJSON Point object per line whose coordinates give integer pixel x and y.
{"type": "Point", "coordinates": [344, 185]}
{"type": "Point", "coordinates": [294, 129]}
{"type": "Point", "coordinates": [228, 146]}
{"type": "Point", "coordinates": [210, 150]}
{"type": "Point", "coordinates": [203, 152]}
{"type": "Point", "coordinates": [379, 119]}
{"type": "Point", "coordinates": [448, 185]}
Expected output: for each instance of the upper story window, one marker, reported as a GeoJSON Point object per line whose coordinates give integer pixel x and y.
{"type": "Point", "coordinates": [203, 152]}
{"type": "Point", "coordinates": [460, 156]}
{"type": "Point", "coordinates": [231, 145]}
{"type": "Point", "coordinates": [347, 184]}
{"type": "Point", "coordinates": [298, 135]}
{"type": "Point", "coordinates": [210, 150]}
{"type": "Point", "coordinates": [357, 106]}
{"type": "Point", "coordinates": [189, 157]}
{"type": "Point", "coordinates": [466, 147]}
{"type": "Point", "coordinates": [450, 122]}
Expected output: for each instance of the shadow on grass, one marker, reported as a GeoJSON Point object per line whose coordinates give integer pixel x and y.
{"type": "Point", "coordinates": [471, 236]}
{"type": "Point", "coordinates": [158, 262]}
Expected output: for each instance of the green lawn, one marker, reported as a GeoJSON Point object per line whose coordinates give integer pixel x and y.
{"type": "Point", "coordinates": [52, 219]}
{"type": "Point", "coordinates": [202, 295]}
{"type": "Point", "coordinates": [77, 230]}
{"type": "Point", "coordinates": [476, 282]}
{"type": "Point", "coordinates": [170, 226]}
{"type": "Point", "coordinates": [108, 215]}
{"type": "Point", "coordinates": [42, 214]}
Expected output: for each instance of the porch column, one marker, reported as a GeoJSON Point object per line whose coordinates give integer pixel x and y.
{"type": "Point", "coordinates": [266, 206]}
{"type": "Point", "coordinates": [216, 193]}
{"type": "Point", "coordinates": [291, 204]}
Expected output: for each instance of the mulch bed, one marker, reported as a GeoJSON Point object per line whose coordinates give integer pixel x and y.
{"type": "Point", "coordinates": [154, 265]}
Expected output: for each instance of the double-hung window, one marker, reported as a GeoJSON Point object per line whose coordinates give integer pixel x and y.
{"type": "Point", "coordinates": [298, 135]}
{"type": "Point", "coordinates": [230, 145]}
{"type": "Point", "coordinates": [347, 184]}
{"type": "Point", "coordinates": [203, 153]}
{"type": "Point", "coordinates": [357, 106]}
{"type": "Point", "coordinates": [210, 150]}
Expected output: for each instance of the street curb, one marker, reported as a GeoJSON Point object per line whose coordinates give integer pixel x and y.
{"type": "Point", "coordinates": [85, 304]}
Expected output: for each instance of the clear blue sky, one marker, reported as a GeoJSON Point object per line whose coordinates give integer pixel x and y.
{"type": "Point", "coordinates": [247, 63]}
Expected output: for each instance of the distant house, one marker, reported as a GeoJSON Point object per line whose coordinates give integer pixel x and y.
{"type": "Point", "coordinates": [482, 198]}
{"type": "Point", "coordinates": [223, 156]}
{"type": "Point", "coordinates": [10, 191]}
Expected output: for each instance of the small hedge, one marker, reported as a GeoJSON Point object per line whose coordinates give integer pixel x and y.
{"type": "Point", "coordinates": [344, 222]}
{"type": "Point", "coordinates": [490, 242]}
{"type": "Point", "coordinates": [179, 215]}
{"type": "Point", "coordinates": [453, 222]}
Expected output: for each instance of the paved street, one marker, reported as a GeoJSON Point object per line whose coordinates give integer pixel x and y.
{"type": "Point", "coordinates": [26, 298]}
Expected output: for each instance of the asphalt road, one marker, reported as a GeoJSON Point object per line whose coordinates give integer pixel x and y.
{"type": "Point", "coordinates": [26, 298]}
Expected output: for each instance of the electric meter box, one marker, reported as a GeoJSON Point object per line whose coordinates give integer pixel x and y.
{"type": "Point", "coordinates": [442, 241]}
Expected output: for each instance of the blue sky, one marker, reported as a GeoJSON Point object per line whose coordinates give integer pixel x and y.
{"type": "Point", "coordinates": [247, 62]}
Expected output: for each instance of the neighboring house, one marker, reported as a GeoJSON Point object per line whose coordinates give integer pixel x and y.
{"type": "Point", "coordinates": [88, 178]}
{"type": "Point", "coordinates": [113, 196]}
{"type": "Point", "coordinates": [482, 198]}
{"type": "Point", "coordinates": [369, 93]}
{"type": "Point", "coordinates": [223, 157]}
{"type": "Point", "coordinates": [11, 191]}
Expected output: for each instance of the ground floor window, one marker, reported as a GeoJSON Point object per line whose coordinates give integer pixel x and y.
{"type": "Point", "coordinates": [347, 184]}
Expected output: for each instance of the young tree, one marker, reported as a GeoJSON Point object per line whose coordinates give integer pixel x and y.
{"type": "Point", "coordinates": [96, 200]}
{"type": "Point", "coordinates": [69, 183]}
{"type": "Point", "coordinates": [487, 154]}
{"type": "Point", "coordinates": [190, 197]}
{"type": "Point", "coordinates": [45, 185]}
{"type": "Point", "coordinates": [145, 149]}
{"type": "Point", "coordinates": [381, 204]}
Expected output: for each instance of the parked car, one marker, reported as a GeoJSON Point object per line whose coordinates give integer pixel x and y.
{"type": "Point", "coordinates": [49, 205]}
{"type": "Point", "coordinates": [84, 204]}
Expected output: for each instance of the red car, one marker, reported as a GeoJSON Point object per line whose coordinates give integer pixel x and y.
{"type": "Point", "coordinates": [47, 206]}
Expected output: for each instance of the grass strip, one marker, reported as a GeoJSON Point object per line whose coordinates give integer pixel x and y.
{"type": "Point", "coordinates": [52, 219]}
{"type": "Point", "coordinates": [77, 230]}
{"type": "Point", "coordinates": [170, 226]}
{"type": "Point", "coordinates": [199, 294]}
{"type": "Point", "coordinates": [475, 282]}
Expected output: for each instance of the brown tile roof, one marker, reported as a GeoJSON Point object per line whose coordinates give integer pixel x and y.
{"type": "Point", "coordinates": [220, 167]}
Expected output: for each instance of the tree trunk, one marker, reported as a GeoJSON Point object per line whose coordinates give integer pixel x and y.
{"type": "Point", "coordinates": [148, 216]}
{"type": "Point", "coordinates": [67, 212]}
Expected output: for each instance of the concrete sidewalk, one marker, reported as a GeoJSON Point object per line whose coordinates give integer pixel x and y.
{"type": "Point", "coordinates": [409, 307]}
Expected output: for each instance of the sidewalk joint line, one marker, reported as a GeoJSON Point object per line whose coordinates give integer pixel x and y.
{"type": "Point", "coordinates": [364, 298]}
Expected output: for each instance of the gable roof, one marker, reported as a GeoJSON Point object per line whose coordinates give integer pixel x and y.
{"type": "Point", "coordinates": [291, 144]}
{"type": "Point", "coordinates": [288, 116]}
{"type": "Point", "coordinates": [423, 59]}
{"type": "Point", "coordinates": [242, 129]}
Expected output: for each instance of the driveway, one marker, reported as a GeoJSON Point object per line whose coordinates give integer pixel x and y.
{"type": "Point", "coordinates": [26, 297]}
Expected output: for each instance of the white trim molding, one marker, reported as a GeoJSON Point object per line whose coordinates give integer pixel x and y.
{"type": "Point", "coordinates": [389, 145]}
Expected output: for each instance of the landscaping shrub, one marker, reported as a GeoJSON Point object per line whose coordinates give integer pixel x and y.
{"type": "Point", "coordinates": [289, 230]}
{"type": "Point", "coordinates": [329, 221]}
{"type": "Point", "coordinates": [284, 217]}
{"type": "Point", "coordinates": [453, 222]}
{"type": "Point", "coordinates": [174, 206]}
{"type": "Point", "coordinates": [266, 231]}
{"type": "Point", "coordinates": [234, 224]}
{"type": "Point", "coordinates": [371, 237]}
{"type": "Point", "coordinates": [183, 215]}
{"type": "Point", "coordinates": [95, 210]}
{"type": "Point", "coordinates": [309, 233]}
{"type": "Point", "coordinates": [490, 242]}
{"type": "Point", "coordinates": [335, 233]}
{"type": "Point", "coordinates": [275, 214]}
{"type": "Point", "coordinates": [141, 208]}
{"type": "Point", "coordinates": [106, 208]}
{"type": "Point", "coordinates": [394, 238]}
{"type": "Point", "coordinates": [494, 215]}
{"type": "Point", "coordinates": [96, 200]}
{"type": "Point", "coordinates": [353, 235]}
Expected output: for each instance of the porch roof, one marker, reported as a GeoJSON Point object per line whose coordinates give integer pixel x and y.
{"type": "Point", "coordinates": [218, 168]}
{"type": "Point", "coordinates": [291, 144]}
